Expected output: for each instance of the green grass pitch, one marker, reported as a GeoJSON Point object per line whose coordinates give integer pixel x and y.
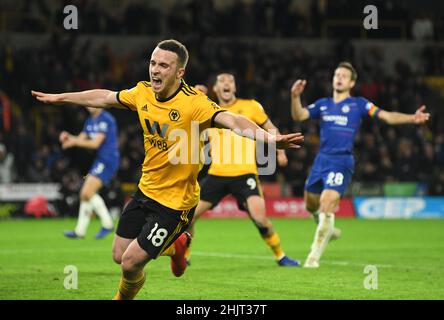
{"type": "Point", "coordinates": [230, 261]}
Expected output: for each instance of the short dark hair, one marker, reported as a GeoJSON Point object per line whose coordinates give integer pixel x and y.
{"type": "Point", "coordinates": [225, 72]}
{"type": "Point", "coordinates": [349, 66]}
{"type": "Point", "coordinates": [176, 47]}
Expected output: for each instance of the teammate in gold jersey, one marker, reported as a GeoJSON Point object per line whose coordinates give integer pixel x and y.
{"type": "Point", "coordinates": [154, 221]}
{"type": "Point", "coordinates": [236, 172]}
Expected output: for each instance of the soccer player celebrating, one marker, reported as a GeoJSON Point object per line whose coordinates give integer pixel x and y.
{"type": "Point", "coordinates": [238, 175]}
{"type": "Point", "coordinates": [154, 221]}
{"type": "Point", "coordinates": [99, 133]}
{"type": "Point", "coordinates": [340, 118]}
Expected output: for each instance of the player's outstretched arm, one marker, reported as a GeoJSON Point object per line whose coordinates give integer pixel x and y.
{"type": "Point", "coordinates": [394, 118]}
{"type": "Point", "coordinates": [298, 112]}
{"type": "Point", "coordinates": [68, 141]}
{"type": "Point", "coordinates": [244, 127]}
{"type": "Point", "coordinates": [97, 98]}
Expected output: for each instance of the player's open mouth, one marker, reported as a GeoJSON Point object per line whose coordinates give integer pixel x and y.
{"type": "Point", "coordinates": [156, 81]}
{"type": "Point", "coordinates": [225, 90]}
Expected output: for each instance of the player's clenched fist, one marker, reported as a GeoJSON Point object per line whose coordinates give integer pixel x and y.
{"type": "Point", "coordinates": [298, 88]}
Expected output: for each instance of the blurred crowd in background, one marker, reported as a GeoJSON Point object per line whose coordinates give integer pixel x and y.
{"type": "Point", "coordinates": [265, 18]}
{"type": "Point", "coordinates": [29, 146]}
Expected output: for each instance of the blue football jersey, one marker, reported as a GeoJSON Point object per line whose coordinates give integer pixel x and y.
{"type": "Point", "coordinates": [339, 122]}
{"type": "Point", "coordinates": [104, 123]}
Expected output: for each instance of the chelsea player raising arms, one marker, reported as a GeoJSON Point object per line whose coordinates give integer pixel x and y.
{"type": "Point", "coordinates": [340, 118]}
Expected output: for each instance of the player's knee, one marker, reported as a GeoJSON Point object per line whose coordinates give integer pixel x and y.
{"type": "Point", "coordinates": [86, 195]}
{"type": "Point", "coordinates": [311, 207]}
{"type": "Point", "coordinates": [327, 206]}
{"type": "Point", "coordinates": [328, 202]}
{"type": "Point", "coordinates": [117, 256]}
{"type": "Point", "coordinates": [128, 263]}
{"type": "Point", "coordinates": [311, 203]}
{"type": "Point", "coordinates": [257, 211]}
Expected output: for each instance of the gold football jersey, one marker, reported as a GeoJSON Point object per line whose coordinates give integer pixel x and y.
{"type": "Point", "coordinates": [171, 131]}
{"type": "Point", "coordinates": [231, 154]}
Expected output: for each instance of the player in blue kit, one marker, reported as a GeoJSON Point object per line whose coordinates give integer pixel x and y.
{"type": "Point", "coordinates": [340, 118]}
{"type": "Point", "coordinates": [99, 133]}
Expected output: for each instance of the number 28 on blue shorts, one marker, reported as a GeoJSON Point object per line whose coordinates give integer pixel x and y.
{"type": "Point", "coordinates": [330, 178]}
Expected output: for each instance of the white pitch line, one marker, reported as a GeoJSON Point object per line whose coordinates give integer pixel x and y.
{"type": "Point", "coordinates": [196, 253]}
{"type": "Point", "coordinates": [249, 257]}
{"type": "Point", "coordinates": [205, 254]}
